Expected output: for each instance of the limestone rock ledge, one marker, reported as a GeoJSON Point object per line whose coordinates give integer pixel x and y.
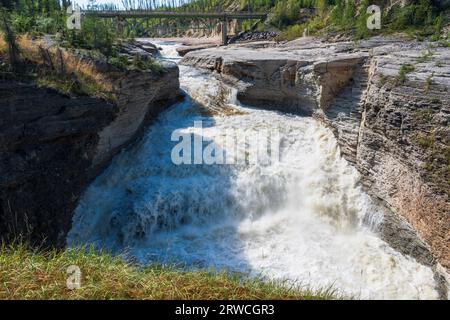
{"type": "Point", "coordinates": [393, 128]}
{"type": "Point", "coordinates": [53, 145]}
{"type": "Point", "coordinates": [296, 79]}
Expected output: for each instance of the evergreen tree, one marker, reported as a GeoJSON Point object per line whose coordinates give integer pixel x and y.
{"type": "Point", "coordinates": [338, 13]}
{"type": "Point", "coordinates": [348, 18]}
{"type": "Point", "coordinates": [10, 38]}
{"type": "Point", "coordinates": [321, 6]}
{"type": "Point", "coordinates": [361, 23]}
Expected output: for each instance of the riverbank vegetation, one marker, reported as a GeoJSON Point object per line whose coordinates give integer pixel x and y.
{"type": "Point", "coordinates": [50, 66]}
{"type": "Point", "coordinates": [417, 18]}
{"type": "Point", "coordinates": [34, 274]}
{"type": "Point", "coordinates": [36, 45]}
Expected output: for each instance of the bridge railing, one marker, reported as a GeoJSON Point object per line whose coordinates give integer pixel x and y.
{"type": "Point", "coordinates": [204, 6]}
{"type": "Point", "coordinates": [174, 14]}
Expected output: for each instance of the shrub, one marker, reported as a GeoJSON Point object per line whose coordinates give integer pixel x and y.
{"type": "Point", "coordinates": [22, 23]}
{"type": "Point", "coordinates": [348, 19]}
{"type": "Point", "coordinates": [404, 70]}
{"type": "Point", "coordinates": [292, 32]}
{"type": "Point", "coordinates": [146, 64]}
{"type": "Point", "coordinates": [95, 34]}
{"type": "Point", "coordinates": [337, 13]}
{"type": "Point", "coordinates": [120, 62]}
{"type": "Point", "coordinates": [423, 115]}
{"type": "Point", "coordinates": [46, 25]}
{"type": "Point", "coordinates": [9, 38]}
{"type": "Point", "coordinates": [361, 23]}
{"type": "Point", "coordinates": [429, 82]}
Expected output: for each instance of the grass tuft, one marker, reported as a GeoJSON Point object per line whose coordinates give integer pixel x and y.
{"type": "Point", "coordinates": [34, 274]}
{"type": "Point", "coordinates": [3, 45]}
{"type": "Point", "coordinates": [429, 82]}
{"type": "Point", "coordinates": [404, 70]}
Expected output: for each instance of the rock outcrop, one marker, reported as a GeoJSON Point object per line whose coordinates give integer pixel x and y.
{"type": "Point", "coordinates": [387, 102]}
{"type": "Point", "coordinates": [47, 145]}
{"type": "Point", "coordinates": [292, 79]}
{"type": "Point", "coordinates": [245, 36]}
{"type": "Point", "coordinates": [53, 145]}
{"type": "Point", "coordinates": [140, 97]}
{"type": "Point", "coordinates": [183, 50]}
{"type": "Point", "coordinates": [403, 148]}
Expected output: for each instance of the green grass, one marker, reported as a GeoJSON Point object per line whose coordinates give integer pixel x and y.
{"type": "Point", "coordinates": [137, 63]}
{"type": "Point", "coordinates": [33, 274]}
{"type": "Point", "coordinates": [436, 101]}
{"type": "Point", "coordinates": [292, 32]}
{"type": "Point", "coordinates": [146, 64]}
{"type": "Point", "coordinates": [78, 85]}
{"type": "Point", "coordinates": [424, 115]}
{"type": "Point", "coordinates": [429, 82]}
{"type": "Point", "coordinates": [382, 79]}
{"type": "Point", "coordinates": [404, 70]}
{"type": "Point", "coordinates": [426, 142]}
{"type": "Point", "coordinates": [437, 156]}
{"type": "Point", "coordinates": [120, 62]}
{"type": "Point", "coordinates": [444, 43]}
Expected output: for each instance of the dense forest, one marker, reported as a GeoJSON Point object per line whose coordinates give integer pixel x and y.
{"type": "Point", "coordinates": [423, 18]}
{"type": "Point", "coordinates": [420, 18]}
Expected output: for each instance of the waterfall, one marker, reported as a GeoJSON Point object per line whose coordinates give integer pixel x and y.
{"type": "Point", "coordinates": [302, 218]}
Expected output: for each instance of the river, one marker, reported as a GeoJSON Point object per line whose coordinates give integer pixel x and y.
{"type": "Point", "coordinates": [304, 219]}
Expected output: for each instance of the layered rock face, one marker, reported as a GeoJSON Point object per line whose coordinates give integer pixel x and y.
{"type": "Point", "coordinates": [141, 96]}
{"type": "Point", "coordinates": [387, 102]}
{"type": "Point", "coordinates": [53, 145]}
{"type": "Point", "coordinates": [404, 141]}
{"type": "Point", "coordinates": [291, 78]}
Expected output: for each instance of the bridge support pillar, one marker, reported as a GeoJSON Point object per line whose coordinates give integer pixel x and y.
{"type": "Point", "coordinates": [224, 28]}
{"type": "Point", "coordinates": [120, 24]}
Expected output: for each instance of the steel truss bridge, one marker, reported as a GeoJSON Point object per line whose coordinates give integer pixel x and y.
{"type": "Point", "coordinates": [122, 17]}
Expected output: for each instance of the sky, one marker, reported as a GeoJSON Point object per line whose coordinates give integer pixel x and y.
{"type": "Point", "coordinates": [85, 2]}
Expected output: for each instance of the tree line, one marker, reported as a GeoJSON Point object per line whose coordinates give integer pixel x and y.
{"type": "Point", "coordinates": [49, 17]}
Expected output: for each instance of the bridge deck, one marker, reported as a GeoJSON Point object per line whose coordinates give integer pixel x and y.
{"type": "Point", "coordinates": [168, 14]}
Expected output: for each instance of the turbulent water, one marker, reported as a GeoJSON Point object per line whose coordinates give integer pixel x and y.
{"type": "Point", "coordinates": [303, 219]}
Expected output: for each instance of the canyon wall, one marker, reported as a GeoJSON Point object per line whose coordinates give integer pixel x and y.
{"type": "Point", "coordinates": [53, 145]}
{"type": "Point", "coordinates": [391, 120]}
{"type": "Point", "coordinates": [403, 148]}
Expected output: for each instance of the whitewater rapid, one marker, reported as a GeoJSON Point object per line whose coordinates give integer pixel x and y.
{"type": "Point", "coordinates": [304, 219]}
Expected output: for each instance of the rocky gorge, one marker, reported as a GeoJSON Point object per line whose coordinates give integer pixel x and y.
{"type": "Point", "coordinates": [387, 102]}
{"type": "Point", "coordinates": [385, 99]}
